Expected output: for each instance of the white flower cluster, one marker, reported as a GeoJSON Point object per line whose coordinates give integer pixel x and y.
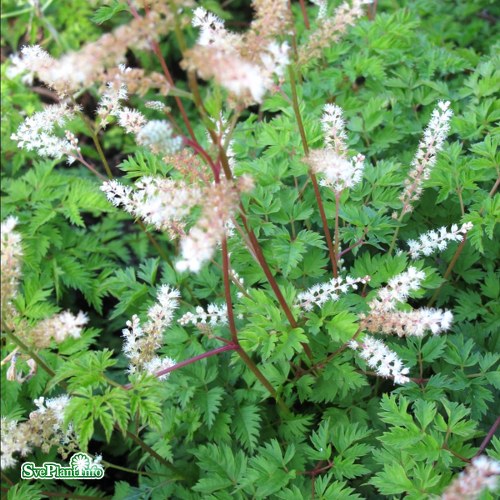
{"type": "Point", "coordinates": [36, 133]}
{"type": "Point", "coordinates": [437, 240]}
{"type": "Point", "coordinates": [33, 59]}
{"type": "Point", "coordinates": [196, 248]}
{"type": "Point", "coordinates": [43, 429]}
{"type": "Point", "coordinates": [323, 6]}
{"type": "Point", "coordinates": [56, 405]}
{"type": "Point", "coordinates": [425, 158]}
{"type": "Point", "coordinates": [330, 29]}
{"type": "Point", "coordinates": [482, 474]}
{"type": "Point", "coordinates": [397, 290]}
{"type": "Point", "coordinates": [74, 71]}
{"type": "Point", "coordinates": [157, 135]}
{"type": "Point", "coordinates": [59, 327]}
{"type": "Point", "coordinates": [13, 441]}
{"type": "Point", "coordinates": [212, 29]}
{"type": "Point", "coordinates": [213, 316]}
{"type": "Point", "coordinates": [321, 293]}
{"type": "Point", "coordinates": [333, 125]}
{"type": "Point", "coordinates": [110, 103]}
{"type": "Point", "coordinates": [142, 342]}
{"type": "Point", "coordinates": [11, 252]}
{"type": "Point", "coordinates": [161, 314]}
{"type": "Point", "coordinates": [275, 60]}
{"type": "Point", "coordinates": [156, 105]}
{"type": "Point", "coordinates": [10, 240]}
{"type": "Point", "coordinates": [244, 77]}
{"type": "Point", "coordinates": [131, 120]}
{"type": "Point", "coordinates": [337, 170]}
{"type": "Point", "coordinates": [414, 323]}
{"type": "Point", "coordinates": [383, 316]}
{"type": "Point", "coordinates": [158, 201]}
{"type": "Point", "coordinates": [378, 356]}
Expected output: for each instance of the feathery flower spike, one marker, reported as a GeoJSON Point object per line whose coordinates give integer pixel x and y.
{"type": "Point", "coordinates": [378, 356]}
{"type": "Point", "coordinates": [142, 342]}
{"type": "Point", "coordinates": [213, 316]}
{"type": "Point", "coordinates": [437, 240]}
{"type": "Point", "coordinates": [321, 293]}
{"type": "Point", "coordinates": [426, 156]}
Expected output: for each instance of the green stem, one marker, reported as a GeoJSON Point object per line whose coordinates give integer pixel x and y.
{"type": "Point", "coordinates": [396, 233]}
{"type": "Point", "coordinates": [25, 10]}
{"type": "Point", "coordinates": [100, 152]}
{"type": "Point", "coordinates": [337, 237]}
{"type": "Point", "coordinates": [137, 440]}
{"type": "Point", "coordinates": [131, 471]}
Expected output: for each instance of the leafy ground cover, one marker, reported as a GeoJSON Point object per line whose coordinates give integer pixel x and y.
{"type": "Point", "coordinates": [246, 282]}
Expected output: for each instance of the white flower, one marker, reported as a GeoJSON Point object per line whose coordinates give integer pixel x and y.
{"type": "Point", "coordinates": [212, 30]}
{"type": "Point", "coordinates": [333, 125]}
{"type": "Point", "coordinates": [36, 133]}
{"type": "Point", "coordinates": [131, 120]}
{"type": "Point", "coordinates": [196, 248]}
{"type": "Point", "coordinates": [397, 290]}
{"type": "Point", "coordinates": [425, 158]}
{"type": "Point", "coordinates": [482, 474]}
{"type": "Point", "coordinates": [142, 342]}
{"type": "Point", "coordinates": [323, 5]}
{"type": "Point", "coordinates": [413, 323]}
{"type": "Point", "coordinates": [156, 105]}
{"type": "Point", "coordinates": [241, 77]}
{"type": "Point", "coordinates": [33, 60]}
{"type": "Point", "coordinates": [385, 362]}
{"type": "Point", "coordinates": [157, 135]}
{"type": "Point", "coordinates": [213, 316]}
{"type": "Point", "coordinates": [110, 103]}
{"type": "Point", "coordinates": [161, 314]}
{"type": "Point", "coordinates": [158, 201]}
{"type": "Point", "coordinates": [437, 240]}
{"type": "Point", "coordinates": [337, 172]}
{"type": "Point", "coordinates": [13, 440]}
{"type": "Point", "coordinates": [157, 364]}
{"type": "Point", "coordinates": [58, 406]}
{"type": "Point", "coordinates": [275, 58]}
{"type": "Point", "coordinates": [11, 252]}
{"type": "Point", "coordinates": [59, 327]}
{"type": "Point", "coordinates": [331, 290]}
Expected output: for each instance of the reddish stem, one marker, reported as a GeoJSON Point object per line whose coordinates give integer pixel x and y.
{"type": "Point", "coordinates": [234, 334]}
{"type": "Point", "coordinates": [202, 152]}
{"type": "Point", "coordinates": [214, 352]}
{"type": "Point", "coordinates": [270, 278]}
{"type": "Point", "coordinates": [168, 76]}
{"type": "Point", "coordinates": [302, 132]}
{"type": "Point", "coordinates": [304, 14]}
{"type": "Point", "coordinates": [352, 247]}
{"type": "Point", "coordinates": [84, 162]}
{"type": "Point", "coordinates": [488, 437]}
